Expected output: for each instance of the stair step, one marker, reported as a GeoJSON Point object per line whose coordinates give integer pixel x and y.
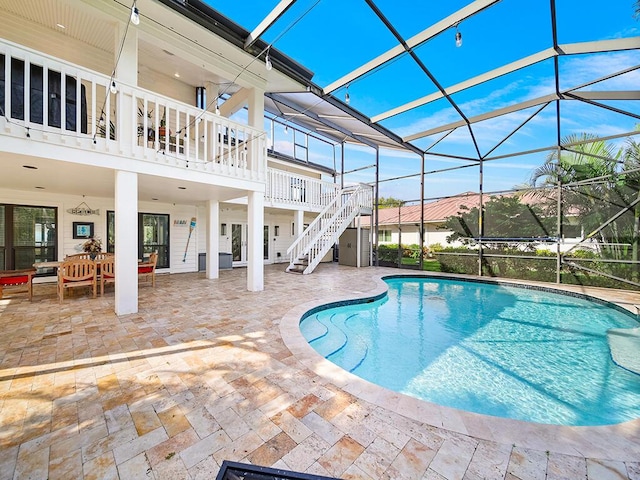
{"type": "Point", "coordinates": [295, 269]}
{"type": "Point", "coordinates": [327, 239]}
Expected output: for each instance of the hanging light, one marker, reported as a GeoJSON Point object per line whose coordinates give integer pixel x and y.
{"type": "Point", "coordinates": [347, 97]}
{"type": "Point", "coordinates": [217, 106]}
{"type": "Point", "coordinates": [267, 60]}
{"type": "Point", "coordinates": [458, 38]}
{"type": "Point", "coordinates": [112, 88]}
{"type": "Point", "coordinates": [286, 129]}
{"type": "Point", "coordinates": [135, 15]}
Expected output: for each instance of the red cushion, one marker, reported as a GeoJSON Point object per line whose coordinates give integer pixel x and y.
{"type": "Point", "coordinates": [145, 269]}
{"type": "Point", "coordinates": [18, 280]}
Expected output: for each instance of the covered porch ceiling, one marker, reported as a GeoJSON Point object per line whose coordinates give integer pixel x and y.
{"type": "Point", "coordinates": [34, 174]}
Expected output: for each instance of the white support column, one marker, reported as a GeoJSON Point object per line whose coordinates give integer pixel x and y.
{"type": "Point", "coordinates": [127, 62]}
{"type": "Point", "coordinates": [358, 243]}
{"type": "Point", "coordinates": [213, 238]}
{"type": "Point", "coordinates": [126, 71]}
{"type": "Point", "coordinates": [126, 242]}
{"type": "Point", "coordinates": [256, 158]}
{"type": "Point", "coordinates": [299, 222]}
{"type": "Point", "coordinates": [256, 108]}
{"type": "Point", "coordinates": [255, 240]}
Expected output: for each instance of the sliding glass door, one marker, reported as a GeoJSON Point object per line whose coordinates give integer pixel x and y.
{"type": "Point", "coordinates": [27, 236]}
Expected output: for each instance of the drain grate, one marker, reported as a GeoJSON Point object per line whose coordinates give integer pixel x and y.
{"type": "Point", "coordinates": [244, 471]}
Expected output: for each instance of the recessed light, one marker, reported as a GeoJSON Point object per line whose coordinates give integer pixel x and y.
{"type": "Point", "coordinates": [30, 167]}
{"type": "Point", "coordinates": [59, 25]}
{"type": "Point", "coordinates": [182, 188]}
{"type": "Point", "coordinates": [177, 75]}
{"type": "Point", "coordinates": [40, 188]}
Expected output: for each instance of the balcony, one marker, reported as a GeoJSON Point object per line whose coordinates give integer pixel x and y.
{"type": "Point", "coordinates": [86, 111]}
{"type": "Point", "coordinates": [287, 190]}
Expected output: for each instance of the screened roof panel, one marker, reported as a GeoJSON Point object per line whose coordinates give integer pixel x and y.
{"type": "Point", "coordinates": [504, 69]}
{"type": "Point", "coordinates": [526, 129]}
{"type": "Point", "coordinates": [397, 93]}
{"type": "Point", "coordinates": [486, 43]}
{"type": "Point", "coordinates": [596, 71]}
{"type": "Point", "coordinates": [326, 40]}
{"type": "Point", "coordinates": [580, 117]}
{"type": "Point", "coordinates": [614, 19]}
{"type": "Point", "coordinates": [410, 17]}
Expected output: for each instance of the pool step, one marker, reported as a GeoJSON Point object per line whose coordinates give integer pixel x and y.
{"type": "Point", "coordinates": [330, 340]}
{"type": "Point", "coordinates": [312, 329]}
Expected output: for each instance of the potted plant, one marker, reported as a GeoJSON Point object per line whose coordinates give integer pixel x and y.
{"type": "Point", "coordinates": [162, 130]}
{"type": "Point", "coordinates": [93, 246]}
{"type": "Point", "coordinates": [150, 133]}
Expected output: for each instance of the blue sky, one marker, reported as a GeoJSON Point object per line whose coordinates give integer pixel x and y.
{"type": "Point", "coordinates": [333, 37]}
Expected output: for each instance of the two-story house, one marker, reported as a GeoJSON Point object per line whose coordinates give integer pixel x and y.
{"type": "Point", "coordinates": [159, 126]}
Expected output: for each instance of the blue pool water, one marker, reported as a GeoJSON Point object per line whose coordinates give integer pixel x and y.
{"type": "Point", "coordinates": [497, 350]}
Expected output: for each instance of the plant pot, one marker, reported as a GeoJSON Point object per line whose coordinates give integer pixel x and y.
{"type": "Point", "coordinates": [162, 131]}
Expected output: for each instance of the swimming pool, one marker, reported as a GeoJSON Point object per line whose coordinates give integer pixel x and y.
{"type": "Point", "coordinates": [506, 351]}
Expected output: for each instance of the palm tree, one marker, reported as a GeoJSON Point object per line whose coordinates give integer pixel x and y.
{"type": "Point", "coordinates": [632, 180]}
{"type": "Point", "coordinates": [593, 189]}
{"type": "Point", "coordinates": [586, 168]}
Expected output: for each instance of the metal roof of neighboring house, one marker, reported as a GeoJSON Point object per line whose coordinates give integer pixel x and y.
{"type": "Point", "coordinates": [437, 211]}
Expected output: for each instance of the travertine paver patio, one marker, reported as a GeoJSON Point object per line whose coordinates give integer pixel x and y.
{"type": "Point", "coordinates": [205, 372]}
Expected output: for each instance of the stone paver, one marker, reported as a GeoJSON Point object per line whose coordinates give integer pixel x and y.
{"type": "Point", "coordinates": [207, 372]}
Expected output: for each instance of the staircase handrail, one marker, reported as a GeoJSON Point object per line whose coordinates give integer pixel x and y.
{"type": "Point", "coordinates": [336, 215]}
{"type": "Point", "coordinates": [343, 215]}
{"type": "Point", "coordinates": [313, 224]}
{"type": "Point", "coordinates": [323, 214]}
{"type": "Point", "coordinates": [330, 223]}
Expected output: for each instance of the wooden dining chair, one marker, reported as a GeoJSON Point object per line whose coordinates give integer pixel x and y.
{"type": "Point", "coordinates": [147, 270]}
{"type": "Point", "coordinates": [107, 272]}
{"type": "Point", "coordinates": [76, 273]}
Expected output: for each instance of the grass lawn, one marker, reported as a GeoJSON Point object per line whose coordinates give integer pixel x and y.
{"type": "Point", "coordinates": [429, 265]}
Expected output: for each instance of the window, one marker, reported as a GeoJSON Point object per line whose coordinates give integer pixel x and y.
{"type": "Point", "coordinates": [27, 236]}
{"type": "Point", "coordinates": [384, 235]}
{"type": "Point", "coordinates": [265, 248]}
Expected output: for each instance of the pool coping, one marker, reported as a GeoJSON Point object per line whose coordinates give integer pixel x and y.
{"type": "Point", "coordinates": [613, 442]}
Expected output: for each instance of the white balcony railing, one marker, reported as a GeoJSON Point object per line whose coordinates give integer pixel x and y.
{"type": "Point", "coordinates": [132, 122]}
{"type": "Point", "coordinates": [289, 189]}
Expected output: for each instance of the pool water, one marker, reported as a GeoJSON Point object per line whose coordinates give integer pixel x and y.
{"type": "Point", "coordinates": [506, 351]}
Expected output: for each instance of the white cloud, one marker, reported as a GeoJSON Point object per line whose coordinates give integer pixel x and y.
{"type": "Point", "coordinates": [574, 70]}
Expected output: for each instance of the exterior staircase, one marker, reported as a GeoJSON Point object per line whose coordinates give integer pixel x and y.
{"type": "Point", "coordinates": [315, 242]}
